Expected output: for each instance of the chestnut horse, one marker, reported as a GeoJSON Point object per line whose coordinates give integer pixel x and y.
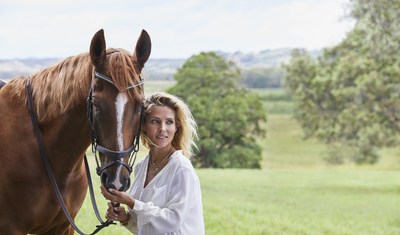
{"type": "Point", "coordinates": [105, 81]}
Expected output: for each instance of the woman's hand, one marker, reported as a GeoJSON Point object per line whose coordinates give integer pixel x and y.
{"type": "Point", "coordinates": [117, 213]}
{"type": "Point", "coordinates": [116, 196]}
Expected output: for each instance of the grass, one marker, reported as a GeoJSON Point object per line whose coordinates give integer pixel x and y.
{"type": "Point", "coordinates": [295, 192]}
{"type": "Point", "coordinates": [300, 202]}
{"type": "Point", "coordinates": [294, 201]}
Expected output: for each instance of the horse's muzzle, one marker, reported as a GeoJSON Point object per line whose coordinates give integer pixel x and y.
{"type": "Point", "coordinates": [118, 181]}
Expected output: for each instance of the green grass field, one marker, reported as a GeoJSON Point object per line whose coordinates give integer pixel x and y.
{"type": "Point", "coordinates": [295, 192]}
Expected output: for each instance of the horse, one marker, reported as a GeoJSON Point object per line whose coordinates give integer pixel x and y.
{"type": "Point", "coordinates": [2, 83]}
{"type": "Point", "coordinates": [91, 98]}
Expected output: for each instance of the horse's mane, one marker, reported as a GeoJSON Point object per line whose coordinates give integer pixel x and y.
{"type": "Point", "coordinates": [57, 89]}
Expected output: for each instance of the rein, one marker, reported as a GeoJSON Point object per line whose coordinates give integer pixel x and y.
{"type": "Point", "coordinates": [95, 147]}
{"type": "Point", "coordinates": [53, 182]}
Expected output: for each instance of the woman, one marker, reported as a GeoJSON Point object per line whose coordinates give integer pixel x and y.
{"type": "Point", "coordinates": [165, 197]}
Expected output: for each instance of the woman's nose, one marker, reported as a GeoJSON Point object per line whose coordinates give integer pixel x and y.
{"type": "Point", "coordinates": [162, 127]}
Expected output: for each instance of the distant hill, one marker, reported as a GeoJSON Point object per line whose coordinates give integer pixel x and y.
{"type": "Point", "coordinates": [16, 67]}
{"type": "Point", "coordinates": [262, 59]}
{"type": "Point", "coordinates": [156, 69]}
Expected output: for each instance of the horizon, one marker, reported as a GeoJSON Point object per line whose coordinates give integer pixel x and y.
{"type": "Point", "coordinates": [166, 58]}
{"type": "Point", "coordinates": [178, 29]}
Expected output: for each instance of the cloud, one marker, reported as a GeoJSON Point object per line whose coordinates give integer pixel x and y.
{"type": "Point", "coordinates": [178, 28]}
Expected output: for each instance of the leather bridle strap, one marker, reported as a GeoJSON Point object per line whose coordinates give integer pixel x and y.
{"type": "Point", "coordinates": [133, 149]}
{"type": "Point", "coordinates": [102, 224]}
{"type": "Point", "coordinates": [115, 154]}
{"type": "Point", "coordinates": [53, 182]}
{"type": "Point", "coordinates": [109, 80]}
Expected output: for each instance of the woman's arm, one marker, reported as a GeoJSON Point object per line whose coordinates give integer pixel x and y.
{"type": "Point", "coordinates": [126, 218]}
{"type": "Point", "coordinates": [172, 216]}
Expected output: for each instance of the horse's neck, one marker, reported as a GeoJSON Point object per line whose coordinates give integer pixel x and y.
{"type": "Point", "coordinates": [60, 102]}
{"type": "Point", "coordinates": [66, 138]}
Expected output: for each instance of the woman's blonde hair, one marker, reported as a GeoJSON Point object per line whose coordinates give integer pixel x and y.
{"type": "Point", "coordinates": [186, 133]}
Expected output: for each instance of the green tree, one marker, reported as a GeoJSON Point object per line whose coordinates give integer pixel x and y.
{"type": "Point", "coordinates": [263, 77]}
{"type": "Point", "coordinates": [229, 116]}
{"type": "Point", "coordinates": [349, 97]}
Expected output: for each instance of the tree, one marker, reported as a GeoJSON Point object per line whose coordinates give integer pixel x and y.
{"type": "Point", "coordinates": [229, 116]}
{"type": "Point", "coordinates": [349, 98]}
{"type": "Point", "coordinates": [263, 77]}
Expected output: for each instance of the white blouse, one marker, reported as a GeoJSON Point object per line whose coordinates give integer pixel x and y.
{"type": "Point", "coordinates": [171, 203]}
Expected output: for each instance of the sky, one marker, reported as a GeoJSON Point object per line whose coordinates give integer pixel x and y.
{"type": "Point", "coordinates": [177, 28]}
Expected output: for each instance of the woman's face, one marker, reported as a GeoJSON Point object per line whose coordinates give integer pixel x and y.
{"type": "Point", "coordinates": [160, 126]}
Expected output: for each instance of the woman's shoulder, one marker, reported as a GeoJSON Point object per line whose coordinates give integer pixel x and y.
{"type": "Point", "coordinates": [182, 166]}
{"type": "Point", "coordinates": [180, 158]}
{"type": "Point", "coordinates": [180, 161]}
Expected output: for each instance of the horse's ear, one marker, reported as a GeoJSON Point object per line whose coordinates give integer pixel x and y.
{"type": "Point", "coordinates": [142, 50]}
{"type": "Point", "coordinates": [98, 49]}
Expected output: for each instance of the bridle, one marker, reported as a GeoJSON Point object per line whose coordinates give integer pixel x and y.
{"type": "Point", "coordinates": [133, 149]}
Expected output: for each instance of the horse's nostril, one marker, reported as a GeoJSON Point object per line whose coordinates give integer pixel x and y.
{"type": "Point", "coordinates": [120, 182]}
{"type": "Point", "coordinates": [104, 177]}
{"type": "Point", "coordinates": [126, 184]}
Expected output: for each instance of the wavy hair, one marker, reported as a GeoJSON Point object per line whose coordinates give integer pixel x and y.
{"type": "Point", "coordinates": [186, 133]}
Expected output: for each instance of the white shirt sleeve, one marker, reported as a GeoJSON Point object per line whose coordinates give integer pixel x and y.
{"type": "Point", "coordinates": [132, 223]}
{"type": "Point", "coordinates": [179, 198]}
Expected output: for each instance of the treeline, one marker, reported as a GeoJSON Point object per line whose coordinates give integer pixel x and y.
{"type": "Point", "coordinates": [263, 77]}
{"type": "Point", "coordinates": [258, 70]}
{"type": "Point", "coordinates": [350, 97]}
{"type": "Point", "coordinates": [252, 77]}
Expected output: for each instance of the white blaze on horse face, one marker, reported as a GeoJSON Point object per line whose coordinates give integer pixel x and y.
{"type": "Point", "coordinates": [120, 104]}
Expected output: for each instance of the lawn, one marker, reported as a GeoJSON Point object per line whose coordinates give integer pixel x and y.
{"type": "Point", "coordinates": [301, 202]}
{"type": "Point", "coordinates": [295, 192]}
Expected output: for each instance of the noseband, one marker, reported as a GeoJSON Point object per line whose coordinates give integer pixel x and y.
{"type": "Point", "coordinates": [133, 149]}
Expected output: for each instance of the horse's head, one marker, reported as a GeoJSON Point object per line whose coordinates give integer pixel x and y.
{"type": "Point", "coordinates": [114, 107]}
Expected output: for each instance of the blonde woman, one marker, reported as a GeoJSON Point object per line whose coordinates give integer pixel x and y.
{"type": "Point", "coordinates": [165, 197]}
